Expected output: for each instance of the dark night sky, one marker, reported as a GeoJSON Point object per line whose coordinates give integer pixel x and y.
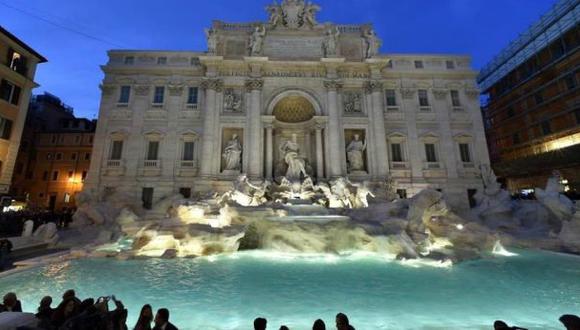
{"type": "Point", "coordinates": [480, 28]}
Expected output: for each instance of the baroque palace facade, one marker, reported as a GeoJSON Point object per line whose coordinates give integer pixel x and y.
{"type": "Point", "coordinates": [292, 87]}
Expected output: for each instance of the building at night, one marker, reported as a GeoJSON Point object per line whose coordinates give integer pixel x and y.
{"type": "Point", "coordinates": [17, 69]}
{"type": "Point", "coordinates": [54, 155]}
{"type": "Point", "coordinates": [532, 110]}
{"type": "Point", "coordinates": [271, 99]}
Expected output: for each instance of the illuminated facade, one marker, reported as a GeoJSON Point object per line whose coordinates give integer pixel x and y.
{"type": "Point", "coordinates": [192, 121]}
{"type": "Point", "coordinates": [532, 116]}
{"type": "Point", "coordinates": [17, 68]}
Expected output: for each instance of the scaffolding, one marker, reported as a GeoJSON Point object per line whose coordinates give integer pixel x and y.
{"type": "Point", "coordinates": [563, 16]}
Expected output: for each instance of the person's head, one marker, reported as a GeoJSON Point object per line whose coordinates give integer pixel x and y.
{"type": "Point", "coordinates": [146, 313]}
{"type": "Point", "coordinates": [10, 299]}
{"type": "Point", "coordinates": [342, 321]}
{"type": "Point", "coordinates": [260, 323]}
{"type": "Point", "coordinates": [69, 294]}
{"type": "Point", "coordinates": [319, 325]}
{"type": "Point", "coordinates": [162, 316]}
{"type": "Point", "coordinates": [500, 325]}
{"type": "Point", "coordinates": [45, 302]}
{"type": "Point", "coordinates": [284, 328]}
{"type": "Point", "coordinates": [85, 304]}
{"type": "Point", "coordinates": [571, 322]}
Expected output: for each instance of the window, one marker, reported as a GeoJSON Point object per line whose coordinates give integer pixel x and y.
{"type": "Point", "coordinates": [66, 197]}
{"type": "Point", "coordinates": [84, 176]}
{"type": "Point", "coordinates": [396, 152]}
{"type": "Point", "coordinates": [9, 92]}
{"type": "Point", "coordinates": [570, 81]}
{"type": "Point", "coordinates": [124, 94]}
{"type": "Point", "coordinates": [539, 98]}
{"type": "Point", "coordinates": [5, 128]}
{"type": "Point", "coordinates": [450, 65]}
{"type": "Point", "coordinates": [162, 60]}
{"type": "Point", "coordinates": [48, 156]}
{"type": "Point", "coordinates": [516, 138]}
{"type": "Point", "coordinates": [45, 176]}
{"type": "Point", "coordinates": [402, 193]}
{"type": "Point", "coordinates": [430, 153]}
{"type": "Point", "coordinates": [418, 64]}
{"type": "Point", "coordinates": [185, 192]}
{"type": "Point", "coordinates": [54, 175]}
{"type": "Point", "coordinates": [58, 156]}
{"type": "Point", "coordinates": [17, 62]}
{"type": "Point", "coordinates": [129, 60]}
{"type": "Point", "coordinates": [88, 156]}
{"type": "Point", "coordinates": [53, 139]}
{"type": "Point", "coordinates": [423, 98]}
{"type": "Point", "coordinates": [147, 198]}
{"type": "Point", "coordinates": [153, 150]}
{"type": "Point", "coordinates": [77, 138]}
{"type": "Point", "coordinates": [188, 150]}
{"type": "Point", "coordinates": [546, 128]}
{"type": "Point", "coordinates": [455, 98]}
{"type": "Point", "coordinates": [192, 95]}
{"type": "Point", "coordinates": [464, 152]}
{"type": "Point", "coordinates": [391, 97]}
{"type": "Point", "coordinates": [117, 150]}
{"type": "Point", "coordinates": [159, 94]}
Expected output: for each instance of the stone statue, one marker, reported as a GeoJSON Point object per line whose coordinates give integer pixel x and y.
{"type": "Point", "coordinates": [275, 12]}
{"type": "Point", "coordinates": [372, 43]}
{"type": "Point", "coordinates": [352, 102]}
{"type": "Point", "coordinates": [232, 154]}
{"type": "Point", "coordinates": [354, 153]}
{"type": "Point", "coordinates": [257, 41]}
{"type": "Point", "coordinates": [553, 199]}
{"type": "Point", "coordinates": [330, 42]}
{"type": "Point", "coordinates": [296, 165]}
{"type": "Point", "coordinates": [342, 194]}
{"type": "Point", "coordinates": [211, 36]}
{"type": "Point", "coordinates": [309, 15]}
{"type": "Point", "coordinates": [360, 198]}
{"type": "Point", "coordinates": [232, 101]}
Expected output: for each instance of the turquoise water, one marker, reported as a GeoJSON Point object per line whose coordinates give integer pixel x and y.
{"type": "Point", "coordinates": [228, 292]}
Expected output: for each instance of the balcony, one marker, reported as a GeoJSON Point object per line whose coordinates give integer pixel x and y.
{"type": "Point", "coordinates": [467, 169]}
{"type": "Point", "coordinates": [187, 168]}
{"type": "Point", "coordinates": [114, 167]}
{"type": "Point", "coordinates": [400, 169]}
{"type": "Point", "coordinates": [393, 114]}
{"type": "Point", "coordinates": [150, 168]}
{"type": "Point", "coordinates": [433, 170]}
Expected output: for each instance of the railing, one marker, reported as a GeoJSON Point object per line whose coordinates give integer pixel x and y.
{"type": "Point", "coordinates": [432, 165]}
{"type": "Point", "coordinates": [151, 163]}
{"type": "Point", "coordinates": [399, 165]}
{"type": "Point", "coordinates": [188, 163]}
{"type": "Point", "coordinates": [192, 106]}
{"type": "Point", "coordinates": [114, 163]}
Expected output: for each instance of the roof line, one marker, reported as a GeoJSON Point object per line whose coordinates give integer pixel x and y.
{"type": "Point", "coordinates": [23, 45]}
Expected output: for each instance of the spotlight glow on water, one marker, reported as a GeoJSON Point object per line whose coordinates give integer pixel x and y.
{"type": "Point", "coordinates": [227, 292]}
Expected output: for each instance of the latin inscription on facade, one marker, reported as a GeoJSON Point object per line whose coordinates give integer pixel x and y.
{"type": "Point", "coordinates": [293, 47]}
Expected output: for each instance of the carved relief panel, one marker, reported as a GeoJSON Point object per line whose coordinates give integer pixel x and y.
{"type": "Point", "coordinates": [233, 100]}
{"type": "Point", "coordinates": [352, 102]}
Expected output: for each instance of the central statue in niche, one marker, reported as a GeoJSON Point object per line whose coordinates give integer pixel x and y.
{"type": "Point", "coordinates": [354, 153]}
{"type": "Point", "coordinates": [290, 149]}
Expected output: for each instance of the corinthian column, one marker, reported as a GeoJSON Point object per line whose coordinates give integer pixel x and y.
{"type": "Point", "coordinates": [319, 152]}
{"type": "Point", "coordinates": [254, 125]}
{"type": "Point", "coordinates": [375, 89]}
{"type": "Point", "coordinates": [211, 87]}
{"type": "Point", "coordinates": [269, 151]}
{"type": "Point", "coordinates": [334, 126]}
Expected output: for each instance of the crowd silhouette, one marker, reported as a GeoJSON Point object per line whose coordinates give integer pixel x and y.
{"type": "Point", "coordinates": [109, 313]}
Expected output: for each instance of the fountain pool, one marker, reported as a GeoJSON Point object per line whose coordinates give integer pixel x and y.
{"type": "Point", "coordinates": [228, 291]}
